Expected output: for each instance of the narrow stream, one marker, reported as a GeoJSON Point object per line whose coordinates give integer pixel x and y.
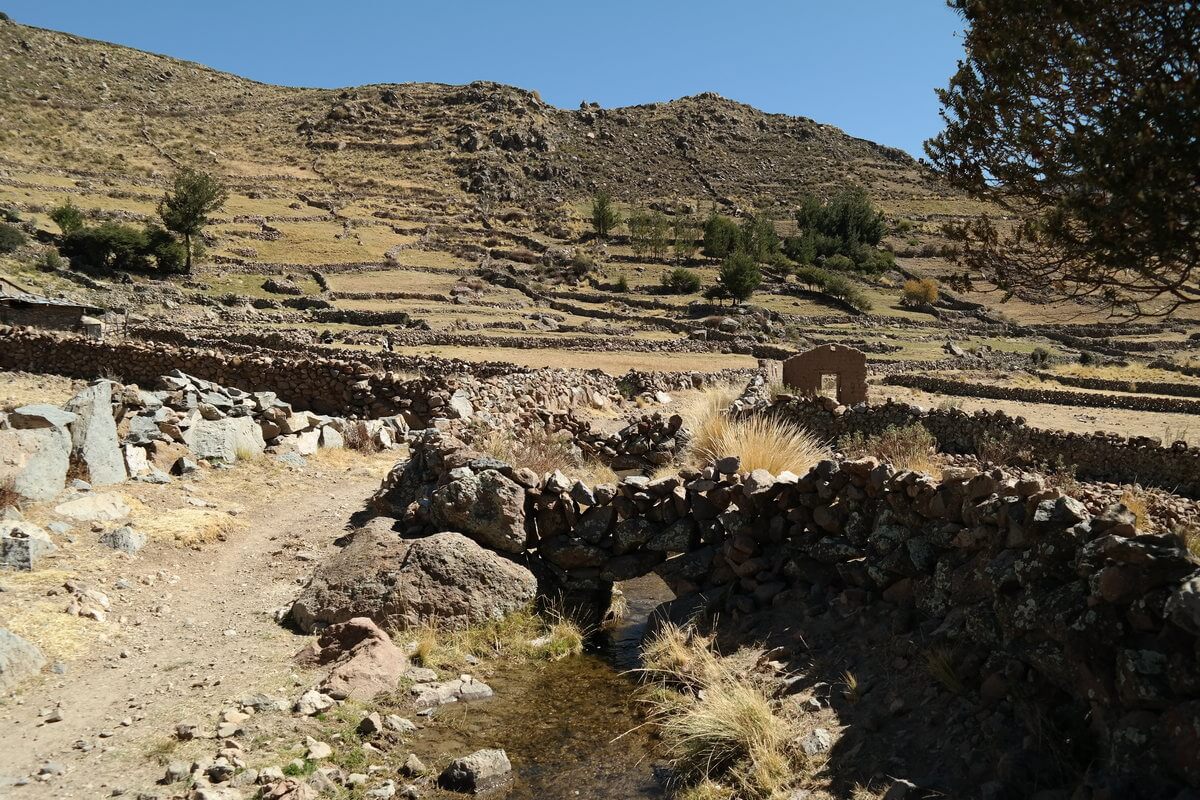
{"type": "Point", "coordinates": [571, 728]}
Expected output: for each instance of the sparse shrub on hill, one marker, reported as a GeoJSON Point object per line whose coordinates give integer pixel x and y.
{"type": "Point", "coordinates": [843, 234]}
{"type": "Point", "coordinates": [49, 261]}
{"type": "Point", "coordinates": [1040, 356]}
{"type": "Point", "coordinates": [758, 238]}
{"type": "Point", "coordinates": [11, 237]}
{"type": "Point", "coordinates": [683, 230]}
{"type": "Point", "coordinates": [843, 288]}
{"type": "Point", "coordinates": [68, 217]}
{"type": "Point", "coordinates": [722, 236]}
{"type": "Point", "coordinates": [621, 284]}
{"type": "Point", "coordinates": [812, 277]}
{"type": "Point", "coordinates": [605, 216]}
{"type": "Point", "coordinates": [111, 246]}
{"type": "Point", "coordinates": [923, 292]}
{"type": "Point", "coordinates": [681, 281]}
{"type": "Point", "coordinates": [9, 215]}
{"type": "Point", "coordinates": [739, 277]}
{"type": "Point", "coordinates": [648, 233]}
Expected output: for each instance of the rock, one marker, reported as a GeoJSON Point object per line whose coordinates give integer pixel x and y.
{"type": "Point", "coordinates": [94, 434]}
{"type": "Point", "coordinates": [40, 415]}
{"type": "Point", "coordinates": [35, 461]}
{"type": "Point", "coordinates": [225, 440]}
{"type": "Point", "coordinates": [106, 507]}
{"type": "Point", "coordinates": [481, 771]}
{"type": "Point", "coordinates": [816, 742]}
{"type": "Point", "coordinates": [460, 405]}
{"type": "Point", "coordinates": [488, 507]}
{"type": "Point", "coordinates": [413, 767]}
{"type": "Point", "coordinates": [365, 661]}
{"type": "Point", "coordinates": [331, 437]}
{"type": "Point", "coordinates": [19, 660]}
{"type": "Point", "coordinates": [371, 724]}
{"type": "Point", "coordinates": [176, 771]}
{"type": "Point", "coordinates": [313, 702]}
{"type": "Point", "coordinates": [404, 583]}
{"type": "Point", "coordinates": [125, 539]}
{"type": "Point", "coordinates": [289, 789]}
{"type": "Point", "coordinates": [316, 751]}
{"type": "Point", "coordinates": [22, 544]}
{"type": "Point", "coordinates": [400, 724]}
{"type": "Point", "coordinates": [136, 462]}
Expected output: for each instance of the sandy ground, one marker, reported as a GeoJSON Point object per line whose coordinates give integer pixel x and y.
{"type": "Point", "coordinates": [1168, 427]}
{"type": "Point", "coordinates": [189, 627]}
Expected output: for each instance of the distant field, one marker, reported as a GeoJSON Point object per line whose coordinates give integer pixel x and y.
{"type": "Point", "coordinates": [613, 363]}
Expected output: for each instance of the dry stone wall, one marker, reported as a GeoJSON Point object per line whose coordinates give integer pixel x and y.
{"type": "Point", "coordinates": [1098, 621]}
{"type": "Point", "coordinates": [929, 383]}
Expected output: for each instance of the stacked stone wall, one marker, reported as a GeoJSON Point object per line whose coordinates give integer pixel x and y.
{"type": "Point", "coordinates": [929, 383]}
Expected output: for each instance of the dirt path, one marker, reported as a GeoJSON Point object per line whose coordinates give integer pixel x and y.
{"type": "Point", "coordinates": [187, 631]}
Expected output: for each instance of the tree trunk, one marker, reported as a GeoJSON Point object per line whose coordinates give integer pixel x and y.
{"type": "Point", "coordinates": [187, 245]}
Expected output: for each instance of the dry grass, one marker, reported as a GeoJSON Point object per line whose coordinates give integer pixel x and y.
{"type": "Point", "coordinates": [543, 452]}
{"type": "Point", "coordinates": [35, 615]}
{"type": "Point", "coordinates": [724, 736]}
{"type": "Point", "coordinates": [520, 636]}
{"type": "Point", "coordinates": [1135, 500]}
{"type": "Point", "coordinates": [190, 527]}
{"type": "Point", "coordinates": [1189, 537]}
{"type": "Point", "coordinates": [357, 437]}
{"type": "Point", "coordinates": [763, 441]}
{"type": "Point", "coordinates": [615, 363]}
{"type": "Point", "coordinates": [908, 447]}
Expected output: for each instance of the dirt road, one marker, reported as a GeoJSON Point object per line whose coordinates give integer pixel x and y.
{"type": "Point", "coordinates": [187, 630]}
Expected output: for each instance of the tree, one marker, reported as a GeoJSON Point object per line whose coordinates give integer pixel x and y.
{"type": "Point", "coordinates": [657, 234]}
{"type": "Point", "coordinates": [1080, 119]}
{"type": "Point", "coordinates": [684, 231]}
{"type": "Point", "coordinates": [758, 238]}
{"type": "Point", "coordinates": [721, 236]}
{"type": "Point", "coordinates": [681, 281]}
{"type": "Point", "coordinates": [68, 217]}
{"type": "Point", "coordinates": [604, 216]}
{"type": "Point", "coordinates": [185, 207]}
{"type": "Point", "coordinates": [639, 225]}
{"type": "Point", "coordinates": [739, 277]}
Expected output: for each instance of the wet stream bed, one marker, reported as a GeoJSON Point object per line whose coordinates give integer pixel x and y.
{"type": "Point", "coordinates": [571, 728]}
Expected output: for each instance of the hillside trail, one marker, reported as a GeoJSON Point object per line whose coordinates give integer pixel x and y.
{"type": "Point", "coordinates": [198, 631]}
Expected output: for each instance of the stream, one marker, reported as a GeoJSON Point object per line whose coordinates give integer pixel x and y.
{"type": "Point", "coordinates": [571, 728]}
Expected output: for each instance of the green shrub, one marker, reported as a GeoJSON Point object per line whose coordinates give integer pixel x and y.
{"type": "Point", "coordinates": [622, 284]}
{"type": "Point", "coordinates": [844, 289]}
{"type": "Point", "coordinates": [169, 254]}
{"type": "Point", "coordinates": [605, 216]}
{"type": "Point", "coordinates": [11, 237]}
{"type": "Point", "coordinates": [9, 215]}
{"type": "Point", "coordinates": [873, 260]}
{"type": "Point", "coordinates": [50, 261]}
{"type": "Point", "coordinates": [681, 281]}
{"type": "Point", "coordinates": [758, 238]}
{"type": "Point", "coordinates": [721, 236]}
{"type": "Point", "coordinates": [839, 263]}
{"type": "Point", "coordinates": [739, 276]}
{"type": "Point", "coordinates": [68, 217]}
{"type": "Point", "coordinates": [812, 277]}
{"type": "Point", "coordinates": [1040, 356]}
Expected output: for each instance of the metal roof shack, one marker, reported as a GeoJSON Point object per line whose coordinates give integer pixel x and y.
{"type": "Point", "coordinates": [20, 307]}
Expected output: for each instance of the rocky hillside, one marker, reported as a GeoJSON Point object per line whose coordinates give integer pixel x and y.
{"type": "Point", "coordinates": [92, 107]}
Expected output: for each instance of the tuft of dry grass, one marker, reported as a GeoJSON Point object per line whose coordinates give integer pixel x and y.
{"type": "Point", "coordinates": [763, 441]}
{"type": "Point", "coordinates": [905, 447]}
{"type": "Point", "coordinates": [190, 527]}
{"type": "Point", "coordinates": [1135, 500]}
{"type": "Point", "coordinates": [9, 498]}
{"type": "Point", "coordinates": [543, 451]}
{"type": "Point", "coordinates": [1189, 536]}
{"type": "Point", "coordinates": [724, 736]}
{"type": "Point", "coordinates": [358, 438]}
{"type": "Point", "coordinates": [520, 636]}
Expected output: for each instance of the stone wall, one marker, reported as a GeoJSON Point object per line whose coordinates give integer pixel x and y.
{"type": "Point", "coordinates": [929, 383]}
{"type": "Point", "coordinates": [1099, 457]}
{"type": "Point", "coordinates": [1102, 623]}
{"type": "Point", "coordinates": [1136, 387]}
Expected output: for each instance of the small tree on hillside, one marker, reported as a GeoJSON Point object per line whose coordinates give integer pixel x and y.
{"type": "Point", "coordinates": [758, 238]}
{"type": "Point", "coordinates": [922, 292]}
{"type": "Point", "coordinates": [657, 234]}
{"type": "Point", "coordinates": [739, 277]}
{"type": "Point", "coordinates": [68, 217]}
{"type": "Point", "coordinates": [639, 225]}
{"type": "Point", "coordinates": [185, 207]}
{"type": "Point", "coordinates": [605, 216]}
{"type": "Point", "coordinates": [721, 236]}
{"type": "Point", "coordinates": [684, 232]}
{"type": "Point", "coordinates": [681, 281]}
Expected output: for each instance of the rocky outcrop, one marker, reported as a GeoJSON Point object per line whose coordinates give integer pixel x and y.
{"type": "Point", "coordinates": [479, 772]}
{"type": "Point", "coordinates": [22, 545]}
{"type": "Point", "coordinates": [19, 660]}
{"type": "Point", "coordinates": [402, 583]}
{"type": "Point", "coordinates": [486, 506]}
{"type": "Point", "coordinates": [94, 434]}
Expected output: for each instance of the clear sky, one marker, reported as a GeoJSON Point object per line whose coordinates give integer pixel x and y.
{"type": "Point", "coordinates": [867, 66]}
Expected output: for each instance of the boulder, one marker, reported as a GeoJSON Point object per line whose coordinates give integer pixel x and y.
{"type": "Point", "coordinates": [94, 434]}
{"type": "Point", "coordinates": [22, 544]}
{"type": "Point", "coordinates": [331, 437]}
{"type": "Point", "coordinates": [225, 440]}
{"type": "Point", "coordinates": [125, 539]}
{"type": "Point", "coordinates": [19, 660]}
{"type": "Point", "coordinates": [403, 583]}
{"type": "Point", "coordinates": [40, 415]}
{"type": "Point", "coordinates": [481, 771]}
{"type": "Point", "coordinates": [486, 506]}
{"type": "Point", "coordinates": [105, 507]}
{"type": "Point", "coordinates": [136, 461]}
{"type": "Point", "coordinates": [34, 461]}
{"type": "Point", "coordinates": [365, 661]}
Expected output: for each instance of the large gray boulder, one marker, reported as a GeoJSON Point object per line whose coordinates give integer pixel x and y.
{"type": "Point", "coordinates": [22, 544]}
{"type": "Point", "coordinates": [34, 461]}
{"type": "Point", "coordinates": [40, 415]}
{"type": "Point", "coordinates": [486, 506]}
{"type": "Point", "coordinates": [479, 772]}
{"type": "Point", "coordinates": [402, 583]}
{"type": "Point", "coordinates": [94, 434]}
{"type": "Point", "coordinates": [18, 660]}
{"type": "Point", "coordinates": [226, 439]}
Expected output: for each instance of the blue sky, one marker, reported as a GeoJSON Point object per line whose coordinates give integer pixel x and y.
{"type": "Point", "coordinates": [867, 66]}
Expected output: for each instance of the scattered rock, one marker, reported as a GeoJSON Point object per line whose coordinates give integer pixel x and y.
{"type": "Point", "coordinates": [481, 771]}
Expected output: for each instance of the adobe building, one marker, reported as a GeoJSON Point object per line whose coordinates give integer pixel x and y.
{"type": "Point", "coordinates": [831, 369]}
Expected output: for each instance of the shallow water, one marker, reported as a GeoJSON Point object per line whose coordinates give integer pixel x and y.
{"type": "Point", "coordinates": [571, 728]}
